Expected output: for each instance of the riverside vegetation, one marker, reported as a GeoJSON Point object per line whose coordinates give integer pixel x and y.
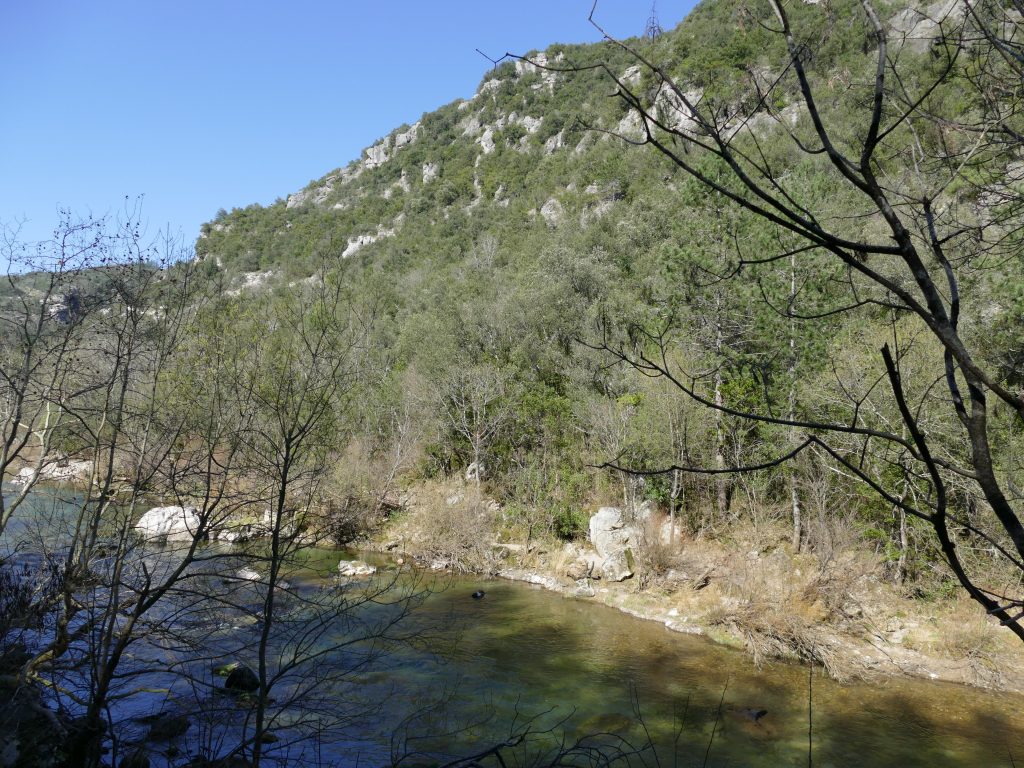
{"type": "Point", "coordinates": [510, 332]}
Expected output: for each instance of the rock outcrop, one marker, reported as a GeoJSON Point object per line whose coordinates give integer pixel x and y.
{"type": "Point", "coordinates": [615, 541]}
{"type": "Point", "coordinates": [55, 471]}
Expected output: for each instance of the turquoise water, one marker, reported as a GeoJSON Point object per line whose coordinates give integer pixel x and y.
{"type": "Point", "coordinates": [457, 675]}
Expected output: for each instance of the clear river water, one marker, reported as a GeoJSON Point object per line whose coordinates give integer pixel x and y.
{"type": "Point", "coordinates": [481, 666]}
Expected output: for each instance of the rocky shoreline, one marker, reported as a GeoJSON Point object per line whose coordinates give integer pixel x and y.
{"type": "Point", "coordinates": [878, 634]}
{"type": "Point", "coordinates": [875, 634]}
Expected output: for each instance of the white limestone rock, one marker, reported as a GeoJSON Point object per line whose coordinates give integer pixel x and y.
{"type": "Point", "coordinates": [615, 541]}
{"type": "Point", "coordinates": [553, 143]}
{"type": "Point", "coordinates": [407, 137]}
{"type": "Point", "coordinates": [631, 76]}
{"type": "Point", "coordinates": [378, 154]}
{"type": "Point", "coordinates": [918, 28]}
{"type": "Point", "coordinates": [552, 211]}
{"type": "Point", "coordinates": [355, 569]}
{"type": "Point", "coordinates": [486, 140]}
{"type": "Point", "coordinates": [170, 522]}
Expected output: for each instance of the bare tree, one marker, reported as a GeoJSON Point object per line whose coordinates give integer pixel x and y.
{"type": "Point", "coordinates": [476, 403]}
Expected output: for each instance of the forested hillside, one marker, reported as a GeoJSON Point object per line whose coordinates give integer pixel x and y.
{"type": "Point", "coordinates": [728, 316]}
{"type": "Point", "coordinates": [502, 238]}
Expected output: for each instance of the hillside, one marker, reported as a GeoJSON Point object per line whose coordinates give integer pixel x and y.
{"type": "Point", "coordinates": [524, 308]}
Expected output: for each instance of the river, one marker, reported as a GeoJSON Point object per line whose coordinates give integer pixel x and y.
{"type": "Point", "coordinates": [464, 673]}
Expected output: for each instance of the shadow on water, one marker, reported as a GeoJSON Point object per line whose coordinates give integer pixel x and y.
{"type": "Point", "coordinates": [475, 668]}
{"type": "Point", "coordinates": [586, 663]}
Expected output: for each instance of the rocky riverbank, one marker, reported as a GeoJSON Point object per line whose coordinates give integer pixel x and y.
{"type": "Point", "coordinates": [749, 591]}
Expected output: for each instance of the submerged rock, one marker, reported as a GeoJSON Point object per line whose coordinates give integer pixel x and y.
{"type": "Point", "coordinates": [168, 727]}
{"type": "Point", "coordinates": [242, 679]}
{"type": "Point", "coordinates": [355, 569]}
{"type": "Point", "coordinates": [137, 759]}
{"type": "Point", "coordinates": [584, 588]}
{"type": "Point", "coordinates": [248, 574]}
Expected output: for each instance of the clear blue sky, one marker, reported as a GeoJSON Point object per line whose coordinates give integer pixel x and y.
{"type": "Point", "coordinates": [204, 104]}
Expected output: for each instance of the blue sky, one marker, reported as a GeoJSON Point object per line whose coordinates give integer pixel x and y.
{"type": "Point", "coordinates": [204, 105]}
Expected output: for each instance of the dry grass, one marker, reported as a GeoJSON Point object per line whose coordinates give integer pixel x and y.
{"type": "Point", "coordinates": [768, 603]}
{"type": "Point", "coordinates": [781, 605]}
{"type": "Point", "coordinates": [449, 526]}
{"type": "Point", "coordinates": [967, 636]}
{"type": "Point", "coordinates": [771, 632]}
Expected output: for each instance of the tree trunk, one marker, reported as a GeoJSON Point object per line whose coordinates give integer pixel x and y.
{"type": "Point", "coordinates": [794, 492]}
{"type": "Point", "coordinates": [720, 480]}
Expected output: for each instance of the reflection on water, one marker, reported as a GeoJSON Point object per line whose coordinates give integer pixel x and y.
{"type": "Point", "coordinates": [476, 667]}
{"type": "Point", "coordinates": [524, 651]}
{"type": "Point", "coordinates": [584, 661]}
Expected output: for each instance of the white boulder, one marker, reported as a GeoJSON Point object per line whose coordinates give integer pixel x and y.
{"type": "Point", "coordinates": [615, 542]}
{"type": "Point", "coordinates": [355, 569]}
{"type": "Point", "coordinates": [169, 522]}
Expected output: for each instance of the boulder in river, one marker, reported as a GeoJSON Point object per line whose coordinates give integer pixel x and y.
{"type": "Point", "coordinates": [173, 522]}
{"type": "Point", "coordinates": [167, 727]}
{"type": "Point", "coordinates": [137, 759]}
{"type": "Point", "coordinates": [353, 569]}
{"type": "Point", "coordinates": [248, 574]}
{"type": "Point", "coordinates": [243, 679]}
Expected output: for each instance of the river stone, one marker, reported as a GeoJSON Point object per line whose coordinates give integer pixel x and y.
{"type": "Point", "coordinates": [242, 679]}
{"type": "Point", "coordinates": [248, 574]}
{"type": "Point", "coordinates": [578, 569]}
{"type": "Point", "coordinates": [168, 727]}
{"type": "Point", "coordinates": [584, 589]}
{"type": "Point", "coordinates": [614, 541]}
{"type": "Point", "coordinates": [169, 522]}
{"type": "Point", "coordinates": [355, 569]}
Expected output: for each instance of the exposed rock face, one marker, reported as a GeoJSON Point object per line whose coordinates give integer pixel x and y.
{"type": "Point", "coordinates": [553, 143]}
{"type": "Point", "coordinates": [486, 140]}
{"type": "Point", "coordinates": [673, 111]}
{"type": "Point", "coordinates": [251, 281]}
{"type": "Point", "coordinates": [377, 155]}
{"type": "Point", "coordinates": [552, 211]}
{"type": "Point", "coordinates": [531, 124]}
{"type": "Point", "coordinates": [630, 127]}
{"type": "Point", "coordinates": [632, 75]}
{"type": "Point", "coordinates": [538, 63]}
{"type": "Point", "coordinates": [351, 569]}
{"type": "Point", "coordinates": [169, 522]}
{"type": "Point", "coordinates": [430, 171]}
{"type": "Point", "coordinates": [297, 199]}
{"type": "Point", "coordinates": [55, 471]}
{"type": "Point", "coordinates": [488, 86]}
{"type": "Point", "coordinates": [358, 241]}
{"type": "Point", "coordinates": [917, 29]}
{"type": "Point", "coordinates": [614, 541]}
{"type": "Point", "coordinates": [408, 137]}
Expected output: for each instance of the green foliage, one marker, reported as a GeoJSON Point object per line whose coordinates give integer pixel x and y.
{"type": "Point", "coordinates": [466, 272]}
